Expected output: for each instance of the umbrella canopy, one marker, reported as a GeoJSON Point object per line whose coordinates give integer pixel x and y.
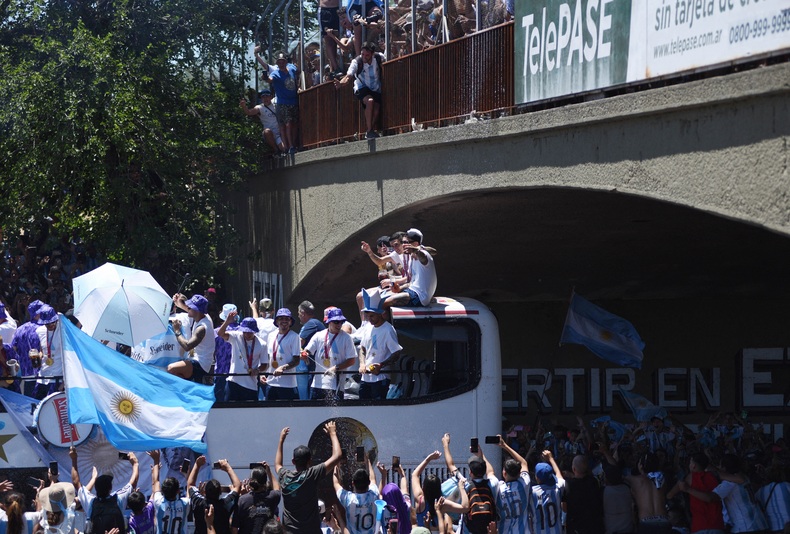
{"type": "Point", "coordinates": [121, 304]}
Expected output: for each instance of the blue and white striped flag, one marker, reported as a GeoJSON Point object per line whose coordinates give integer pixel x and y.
{"type": "Point", "coordinates": [139, 407]}
{"type": "Point", "coordinates": [643, 409]}
{"type": "Point", "coordinates": [610, 337]}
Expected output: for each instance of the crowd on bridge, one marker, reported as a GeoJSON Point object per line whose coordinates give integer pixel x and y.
{"type": "Point", "coordinates": [650, 479]}
{"type": "Point", "coordinates": [347, 58]}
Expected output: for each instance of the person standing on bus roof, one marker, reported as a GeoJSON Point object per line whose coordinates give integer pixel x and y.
{"type": "Point", "coordinates": [299, 488]}
{"type": "Point", "coordinates": [200, 345]}
{"type": "Point", "coordinates": [360, 504]}
{"type": "Point", "coordinates": [284, 348]}
{"type": "Point", "coordinates": [379, 348]}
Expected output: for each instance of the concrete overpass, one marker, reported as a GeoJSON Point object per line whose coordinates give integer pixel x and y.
{"type": "Point", "coordinates": [669, 207]}
{"type": "Point", "coordinates": [677, 192]}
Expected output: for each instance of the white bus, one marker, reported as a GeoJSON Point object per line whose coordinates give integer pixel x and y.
{"type": "Point", "coordinates": [451, 349]}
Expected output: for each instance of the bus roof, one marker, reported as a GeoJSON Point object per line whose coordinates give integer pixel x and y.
{"type": "Point", "coordinates": [441, 307]}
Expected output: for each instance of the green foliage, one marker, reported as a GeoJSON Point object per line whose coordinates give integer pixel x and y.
{"type": "Point", "coordinates": [120, 120]}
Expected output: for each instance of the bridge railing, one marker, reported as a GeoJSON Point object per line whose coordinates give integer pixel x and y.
{"type": "Point", "coordinates": [438, 85]}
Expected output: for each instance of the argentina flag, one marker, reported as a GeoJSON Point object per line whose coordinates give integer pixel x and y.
{"type": "Point", "coordinates": [139, 407]}
{"type": "Point", "coordinates": [643, 409]}
{"type": "Point", "coordinates": [610, 337]}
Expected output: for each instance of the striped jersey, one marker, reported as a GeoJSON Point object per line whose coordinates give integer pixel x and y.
{"type": "Point", "coordinates": [171, 516]}
{"type": "Point", "coordinates": [512, 502]}
{"type": "Point", "coordinates": [777, 507]}
{"type": "Point", "coordinates": [360, 510]}
{"type": "Point", "coordinates": [545, 508]}
{"type": "Point", "coordinates": [740, 507]}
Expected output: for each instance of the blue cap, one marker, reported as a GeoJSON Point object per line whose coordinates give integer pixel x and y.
{"type": "Point", "coordinates": [546, 474]}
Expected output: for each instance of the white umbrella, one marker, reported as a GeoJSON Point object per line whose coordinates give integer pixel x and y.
{"type": "Point", "coordinates": [121, 304]}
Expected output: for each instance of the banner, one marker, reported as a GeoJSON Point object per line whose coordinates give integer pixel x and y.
{"type": "Point", "coordinates": [159, 351]}
{"type": "Point", "coordinates": [571, 46]}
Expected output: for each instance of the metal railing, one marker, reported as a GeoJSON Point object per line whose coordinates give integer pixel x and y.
{"type": "Point", "coordinates": [436, 86]}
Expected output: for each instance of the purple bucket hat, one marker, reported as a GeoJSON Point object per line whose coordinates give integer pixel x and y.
{"type": "Point", "coordinates": [3, 314]}
{"type": "Point", "coordinates": [34, 307]}
{"type": "Point", "coordinates": [199, 303]}
{"type": "Point", "coordinates": [46, 315]}
{"type": "Point", "coordinates": [335, 315]}
{"type": "Point", "coordinates": [284, 312]}
{"type": "Point", "coordinates": [249, 325]}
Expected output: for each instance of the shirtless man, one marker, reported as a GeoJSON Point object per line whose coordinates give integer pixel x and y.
{"type": "Point", "coordinates": [328, 20]}
{"type": "Point", "coordinates": [649, 492]}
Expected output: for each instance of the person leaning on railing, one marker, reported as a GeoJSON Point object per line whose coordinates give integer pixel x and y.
{"type": "Point", "coordinates": [367, 84]}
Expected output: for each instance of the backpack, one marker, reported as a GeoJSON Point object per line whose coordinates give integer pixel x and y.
{"type": "Point", "coordinates": [482, 509]}
{"type": "Point", "coordinates": [358, 61]}
{"type": "Point", "coordinates": [106, 515]}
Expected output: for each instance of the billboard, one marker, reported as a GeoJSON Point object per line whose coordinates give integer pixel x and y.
{"type": "Point", "coordinates": [570, 46]}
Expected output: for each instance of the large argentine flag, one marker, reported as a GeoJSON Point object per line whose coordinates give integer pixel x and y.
{"type": "Point", "coordinates": [139, 407]}
{"type": "Point", "coordinates": [610, 337]}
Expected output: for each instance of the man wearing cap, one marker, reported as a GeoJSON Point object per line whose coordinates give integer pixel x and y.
{"type": "Point", "coordinates": [420, 281]}
{"type": "Point", "coordinates": [266, 111]}
{"type": "Point", "coordinates": [545, 504]}
{"type": "Point", "coordinates": [103, 486]}
{"type": "Point", "coordinates": [347, 327]}
{"type": "Point", "coordinates": [200, 345]}
{"type": "Point", "coordinates": [379, 348]}
{"type": "Point", "coordinates": [26, 339]}
{"type": "Point", "coordinates": [332, 351]}
{"type": "Point", "coordinates": [367, 83]}
{"type": "Point", "coordinates": [284, 348]}
{"type": "Point", "coordinates": [51, 352]}
{"type": "Point", "coordinates": [284, 79]}
{"type": "Point", "coordinates": [222, 354]}
{"type": "Point", "coordinates": [248, 358]}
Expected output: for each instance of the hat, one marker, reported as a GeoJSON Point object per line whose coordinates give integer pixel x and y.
{"type": "Point", "coordinates": [249, 326]}
{"type": "Point", "coordinates": [199, 303]}
{"type": "Point", "coordinates": [226, 309]}
{"type": "Point", "coordinates": [211, 290]}
{"type": "Point", "coordinates": [46, 315]}
{"type": "Point", "coordinates": [327, 310]}
{"type": "Point", "coordinates": [477, 466]}
{"type": "Point", "coordinates": [546, 474]}
{"type": "Point", "coordinates": [58, 497]}
{"type": "Point", "coordinates": [104, 484]}
{"type": "Point", "coordinates": [334, 315]}
{"type": "Point", "coordinates": [414, 235]}
{"type": "Point", "coordinates": [2, 311]}
{"type": "Point", "coordinates": [266, 304]}
{"type": "Point", "coordinates": [265, 92]}
{"type": "Point", "coordinates": [372, 299]}
{"type": "Point", "coordinates": [280, 55]}
{"type": "Point", "coordinates": [284, 312]}
{"type": "Point", "coordinates": [33, 308]}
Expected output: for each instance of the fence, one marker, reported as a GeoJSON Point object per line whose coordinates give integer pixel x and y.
{"type": "Point", "coordinates": [438, 85]}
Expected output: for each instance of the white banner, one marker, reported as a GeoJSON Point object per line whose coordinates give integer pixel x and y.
{"type": "Point", "coordinates": [159, 351]}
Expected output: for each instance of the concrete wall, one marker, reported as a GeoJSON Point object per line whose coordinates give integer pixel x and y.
{"type": "Point", "coordinates": [719, 145]}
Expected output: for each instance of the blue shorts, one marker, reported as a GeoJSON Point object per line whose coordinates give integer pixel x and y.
{"type": "Point", "coordinates": [414, 301]}
{"type": "Point", "coordinates": [374, 390]}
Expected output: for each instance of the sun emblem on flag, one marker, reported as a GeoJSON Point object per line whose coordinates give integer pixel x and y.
{"type": "Point", "coordinates": [125, 406]}
{"type": "Point", "coordinates": [606, 335]}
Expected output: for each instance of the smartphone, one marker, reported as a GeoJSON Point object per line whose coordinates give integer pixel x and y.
{"type": "Point", "coordinates": [360, 454]}
{"type": "Point", "coordinates": [123, 456]}
{"type": "Point", "coordinates": [395, 462]}
{"type": "Point", "coordinates": [215, 465]}
{"type": "Point", "coordinates": [254, 465]}
{"type": "Point", "coordinates": [473, 445]}
{"type": "Point", "coordinates": [492, 440]}
{"type": "Point", "coordinates": [185, 466]}
{"type": "Point", "coordinates": [53, 468]}
{"type": "Point", "coordinates": [33, 481]}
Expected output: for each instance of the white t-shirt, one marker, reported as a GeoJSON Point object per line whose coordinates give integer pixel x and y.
{"type": "Point", "coordinates": [287, 347]}
{"type": "Point", "coordinates": [396, 259]}
{"type": "Point", "coordinates": [380, 343]}
{"type": "Point", "coordinates": [239, 359]}
{"type": "Point", "coordinates": [423, 279]}
{"type": "Point", "coordinates": [265, 327]}
{"type": "Point", "coordinates": [341, 350]}
{"type": "Point", "coordinates": [51, 348]}
{"type": "Point", "coordinates": [31, 519]}
{"type": "Point", "coordinates": [7, 330]}
{"type": "Point", "coordinates": [204, 352]}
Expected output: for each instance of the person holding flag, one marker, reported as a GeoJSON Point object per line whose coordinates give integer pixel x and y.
{"type": "Point", "coordinates": [247, 355]}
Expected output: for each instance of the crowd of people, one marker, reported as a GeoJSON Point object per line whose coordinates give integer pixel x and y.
{"type": "Point", "coordinates": [256, 358]}
{"type": "Point", "coordinates": [725, 477]}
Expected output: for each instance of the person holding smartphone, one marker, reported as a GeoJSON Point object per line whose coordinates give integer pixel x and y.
{"type": "Point", "coordinates": [360, 504]}
{"type": "Point", "coordinates": [223, 506]}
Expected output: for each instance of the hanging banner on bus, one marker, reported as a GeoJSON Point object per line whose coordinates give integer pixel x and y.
{"type": "Point", "coordinates": [571, 46]}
